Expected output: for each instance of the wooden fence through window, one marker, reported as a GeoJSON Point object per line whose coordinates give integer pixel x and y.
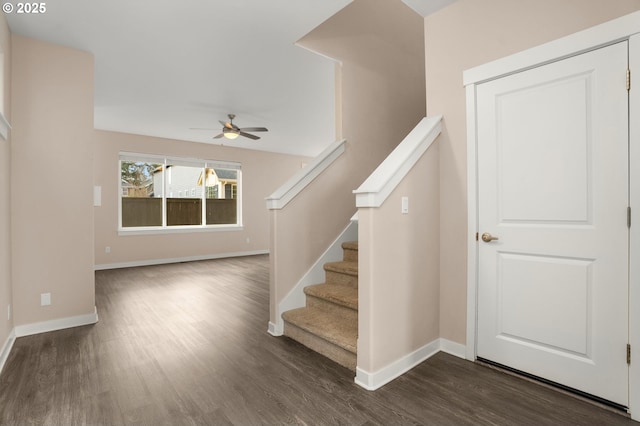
{"type": "Point", "coordinates": [138, 212]}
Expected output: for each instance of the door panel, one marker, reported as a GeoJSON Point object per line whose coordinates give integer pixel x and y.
{"type": "Point", "coordinates": [553, 186]}
{"type": "Point", "coordinates": [531, 285]}
{"type": "Point", "coordinates": [526, 147]}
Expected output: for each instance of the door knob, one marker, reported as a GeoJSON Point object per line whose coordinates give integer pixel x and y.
{"type": "Point", "coordinates": [487, 237]}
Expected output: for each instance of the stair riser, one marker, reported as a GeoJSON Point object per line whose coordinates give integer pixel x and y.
{"type": "Point", "coordinates": [335, 353]}
{"type": "Point", "coordinates": [332, 308]}
{"type": "Point", "coordinates": [332, 277]}
{"type": "Point", "coordinates": [349, 255]}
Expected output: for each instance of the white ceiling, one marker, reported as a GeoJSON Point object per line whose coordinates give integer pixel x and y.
{"type": "Point", "coordinates": [163, 67]}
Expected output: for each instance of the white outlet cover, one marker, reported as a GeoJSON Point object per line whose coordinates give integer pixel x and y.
{"type": "Point", "coordinates": [45, 299]}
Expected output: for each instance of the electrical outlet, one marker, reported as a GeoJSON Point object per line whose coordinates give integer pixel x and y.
{"type": "Point", "coordinates": [9, 312]}
{"type": "Point", "coordinates": [45, 299]}
{"type": "Point", "coordinates": [107, 249]}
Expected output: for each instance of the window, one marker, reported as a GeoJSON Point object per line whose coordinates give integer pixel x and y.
{"type": "Point", "coordinates": [4, 124]}
{"type": "Point", "coordinates": [174, 193]}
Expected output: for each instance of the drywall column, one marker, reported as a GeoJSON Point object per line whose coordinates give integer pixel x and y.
{"type": "Point", "coordinates": [51, 181]}
{"type": "Point", "coordinates": [398, 282]}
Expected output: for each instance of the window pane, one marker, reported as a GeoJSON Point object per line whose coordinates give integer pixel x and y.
{"type": "Point", "coordinates": [222, 196]}
{"type": "Point", "coordinates": [184, 195]}
{"type": "Point", "coordinates": [141, 200]}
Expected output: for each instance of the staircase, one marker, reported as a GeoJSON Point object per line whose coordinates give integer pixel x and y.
{"type": "Point", "coordinates": [328, 323]}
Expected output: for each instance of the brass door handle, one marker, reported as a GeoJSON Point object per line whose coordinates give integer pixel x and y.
{"type": "Point", "coordinates": [487, 237]}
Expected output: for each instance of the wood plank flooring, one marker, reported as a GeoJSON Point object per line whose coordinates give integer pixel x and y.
{"type": "Point", "coordinates": [186, 344]}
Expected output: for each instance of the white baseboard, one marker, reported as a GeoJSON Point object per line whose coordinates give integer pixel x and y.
{"type": "Point", "coordinates": [373, 381]}
{"type": "Point", "coordinates": [275, 330]}
{"type": "Point", "coordinates": [151, 262]}
{"type": "Point", "coordinates": [6, 348]}
{"type": "Point", "coordinates": [453, 348]}
{"type": "Point", "coordinates": [56, 324]}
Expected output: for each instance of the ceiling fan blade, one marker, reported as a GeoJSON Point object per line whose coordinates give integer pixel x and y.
{"type": "Point", "coordinates": [227, 124]}
{"type": "Point", "coordinates": [254, 129]}
{"type": "Point", "coordinates": [249, 135]}
{"type": "Point", "coordinates": [218, 136]}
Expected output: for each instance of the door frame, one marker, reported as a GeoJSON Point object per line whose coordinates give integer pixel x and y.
{"type": "Point", "coordinates": [608, 33]}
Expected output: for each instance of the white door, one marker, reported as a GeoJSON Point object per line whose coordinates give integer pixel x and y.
{"type": "Point", "coordinates": [553, 187]}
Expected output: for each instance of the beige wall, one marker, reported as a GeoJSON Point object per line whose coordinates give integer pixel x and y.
{"type": "Point", "coordinates": [5, 191]}
{"type": "Point", "coordinates": [51, 181]}
{"type": "Point", "coordinates": [398, 278]}
{"type": "Point", "coordinates": [262, 173]}
{"type": "Point", "coordinates": [381, 47]}
{"type": "Point", "coordinates": [463, 35]}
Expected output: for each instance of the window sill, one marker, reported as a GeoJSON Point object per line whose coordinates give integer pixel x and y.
{"type": "Point", "coordinates": [177, 230]}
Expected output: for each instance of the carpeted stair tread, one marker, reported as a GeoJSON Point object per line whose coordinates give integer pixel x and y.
{"type": "Point", "coordinates": [342, 267]}
{"type": "Point", "coordinates": [338, 294]}
{"type": "Point", "coordinates": [350, 245]}
{"type": "Point", "coordinates": [319, 323]}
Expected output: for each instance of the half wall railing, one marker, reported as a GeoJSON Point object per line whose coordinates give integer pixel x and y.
{"type": "Point", "coordinates": [287, 192]}
{"type": "Point", "coordinates": [395, 167]}
{"type": "Point", "coordinates": [300, 231]}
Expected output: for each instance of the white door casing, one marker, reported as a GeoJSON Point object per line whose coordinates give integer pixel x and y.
{"type": "Point", "coordinates": [634, 254]}
{"type": "Point", "coordinates": [553, 186]}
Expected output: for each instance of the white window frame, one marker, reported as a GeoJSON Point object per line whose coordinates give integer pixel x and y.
{"type": "Point", "coordinates": [172, 160]}
{"type": "Point", "coordinates": [4, 123]}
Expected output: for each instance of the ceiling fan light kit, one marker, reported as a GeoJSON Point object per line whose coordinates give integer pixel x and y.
{"type": "Point", "coordinates": [230, 133]}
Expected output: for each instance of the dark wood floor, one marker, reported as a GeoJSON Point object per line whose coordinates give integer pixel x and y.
{"type": "Point", "coordinates": [186, 344]}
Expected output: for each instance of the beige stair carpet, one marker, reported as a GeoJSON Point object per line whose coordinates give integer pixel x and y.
{"type": "Point", "coordinates": [328, 323]}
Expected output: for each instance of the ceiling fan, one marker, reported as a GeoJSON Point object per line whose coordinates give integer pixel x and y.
{"type": "Point", "coordinates": [231, 131]}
